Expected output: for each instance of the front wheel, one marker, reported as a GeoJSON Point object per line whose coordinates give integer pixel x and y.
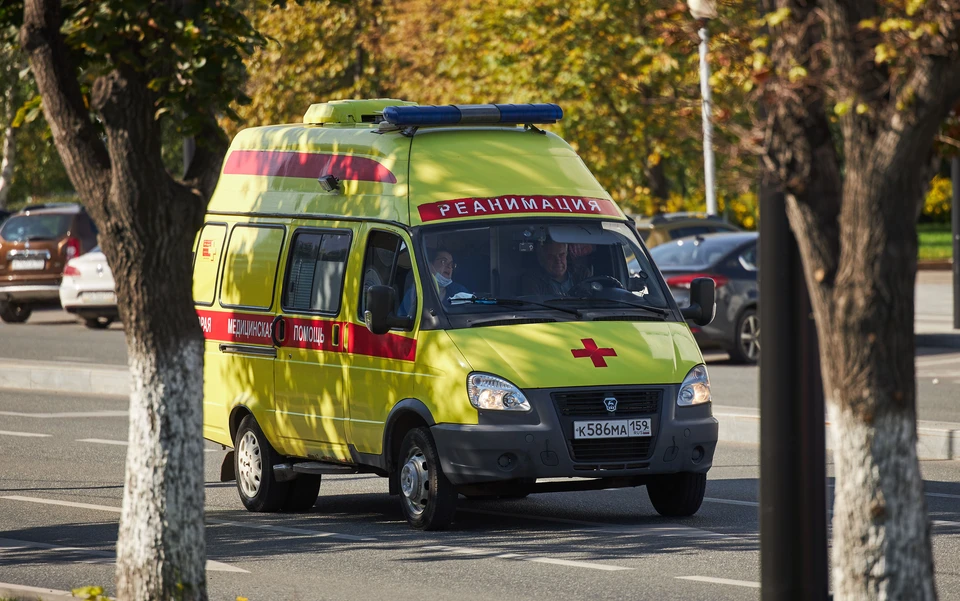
{"type": "Point", "coordinates": [427, 498]}
{"type": "Point", "coordinates": [677, 495]}
{"type": "Point", "coordinates": [253, 462]}
{"type": "Point", "coordinates": [12, 312]}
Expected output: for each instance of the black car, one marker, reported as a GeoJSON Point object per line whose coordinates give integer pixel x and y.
{"type": "Point", "coordinates": [731, 260]}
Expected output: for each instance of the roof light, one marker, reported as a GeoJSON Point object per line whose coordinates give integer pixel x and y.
{"type": "Point", "coordinates": [472, 114]}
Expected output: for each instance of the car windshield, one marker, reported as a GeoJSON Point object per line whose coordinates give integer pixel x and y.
{"type": "Point", "coordinates": [692, 252]}
{"type": "Point", "coordinates": [566, 267]}
{"type": "Point", "coordinates": [23, 228]}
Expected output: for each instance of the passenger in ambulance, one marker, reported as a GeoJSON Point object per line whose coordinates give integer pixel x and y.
{"type": "Point", "coordinates": [441, 267]}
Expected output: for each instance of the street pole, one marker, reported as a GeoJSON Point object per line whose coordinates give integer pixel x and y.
{"type": "Point", "coordinates": [955, 220]}
{"type": "Point", "coordinates": [793, 496]}
{"type": "Point", "coordinates": [706, 104]}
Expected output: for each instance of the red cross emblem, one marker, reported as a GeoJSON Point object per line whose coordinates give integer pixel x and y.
{"type": "Point", "coordinates": [596, 354]}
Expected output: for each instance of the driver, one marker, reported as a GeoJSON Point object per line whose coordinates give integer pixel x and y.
{"type": "Point", "coordinates": [552, 278]}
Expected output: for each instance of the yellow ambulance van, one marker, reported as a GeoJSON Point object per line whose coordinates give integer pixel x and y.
{"type": "Point", "coordinates": [446, 297]}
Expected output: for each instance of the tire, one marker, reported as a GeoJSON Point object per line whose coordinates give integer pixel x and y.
{"type": "Point", "coordinates": [746, 339]}
{"type": "Point", "coordinates": [12, 312]}
{"type": "Point", "coordinates": [253, 461]}
{"type": "Point", "coordinates": [427, 498]}
{"type": "Point", "coordinates": [98, 323]}
{"type": "Point", "coordinates": [677, 495]}
{"type": "Point", "coordinates": [302, 494]}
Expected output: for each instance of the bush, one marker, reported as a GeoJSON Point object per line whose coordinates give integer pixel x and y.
{"type": "Point", "coordinates": [936, 207]}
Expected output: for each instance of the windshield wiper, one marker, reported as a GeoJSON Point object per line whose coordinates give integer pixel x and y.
{"type": "Point", "coordinates": [662, 313]}
{"type": "Point", "coordinates": [508, 302]}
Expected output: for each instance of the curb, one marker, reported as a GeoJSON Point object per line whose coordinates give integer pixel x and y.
{"type": "Point", "coordinates": [939, 265]}
{"type": "Point", "coordinates": [33, 593]}
{"type": "Point", "coordinates": [79, 378]}
{"type": "Point", "coordinates": [935, 440]}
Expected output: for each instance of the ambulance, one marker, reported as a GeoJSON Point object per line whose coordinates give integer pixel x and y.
{"type": "Point", "coordinates": [444, 296]}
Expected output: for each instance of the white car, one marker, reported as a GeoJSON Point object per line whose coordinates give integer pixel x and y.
{"type": "Point", "coordinates": [87, 290]}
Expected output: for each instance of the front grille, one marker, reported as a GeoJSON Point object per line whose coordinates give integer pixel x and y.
{"type": "Point", "coordinates": [611, 449]}
{"type": "Point", "coordinates": [590, 403]}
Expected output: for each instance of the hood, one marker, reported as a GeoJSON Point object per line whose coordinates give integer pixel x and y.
{"type": "Point", "coordinates": [592, 353]}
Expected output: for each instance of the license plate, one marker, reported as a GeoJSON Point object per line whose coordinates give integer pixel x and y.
{"type": "Point", "coordinates": [614, 428]}
{"type": "Point", "coordinates": [99, 297]}
{"type": "Point", "coordinates": [27, 264]}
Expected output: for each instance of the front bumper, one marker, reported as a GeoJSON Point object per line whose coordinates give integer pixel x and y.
{"type": "Point", "coordinates": [538, 444]}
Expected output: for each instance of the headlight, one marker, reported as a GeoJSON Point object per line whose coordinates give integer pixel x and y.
{"type": "Point", "coordinates": [487, 391]}
{"type": "Point", "coordinates": [695, 388]}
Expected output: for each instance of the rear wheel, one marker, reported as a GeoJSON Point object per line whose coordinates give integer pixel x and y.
{"type": "Point", "coordinates": [746, 343]}
{"type": "Point", "coordinates": [98, 323]}
{"type": "Point", "coordinates": [427, 498]}
{"type": "Point", "coordinates": [677, 495]}
{"type": "Point", "coordinates": [12, 312]}
{"type": "Point", "coordinates": [254, 459]}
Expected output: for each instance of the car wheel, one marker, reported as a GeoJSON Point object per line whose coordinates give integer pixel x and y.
{"type": "Point", "coordinates": [427, 498]}
{"type": "Point", "coordinates": [746, 343]}
{"type": "Point", "coordinates": [253, 462]}
{"type": "Point", "coordinates": [14, 312]}
{"type": "Point", "coordinates": [303, 493]}
{"type": "Point", "coordinates": [677, 495]}
{"type": "Point", "coordinates": [98, 323]}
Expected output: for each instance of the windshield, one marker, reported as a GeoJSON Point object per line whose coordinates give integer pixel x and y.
{"type": "Point", "coordinates": [23, 228]}
{"type": "Point", "coordinates": [692, 252]}
{"type": "Point", "coordinates": [535, 265]}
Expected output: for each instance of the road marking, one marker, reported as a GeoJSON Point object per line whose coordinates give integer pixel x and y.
{"type": "Point", "coordinates": [68, 414]}
{"type": "Point", "coordinates": [489, 553]}
{"type": "Point", "coordinates": [931, 362]}
{"type": "Point", "coordinates": [732, 502]}
{"type": "Point", "coordinates": [100, 557]}
{"type": "Point", "coordinates": [288, 530]}
{"type": "Point", "coordinates": [941, 495]}
{"type": "Point", "coordinates": [708, 579]}
{"type": "Point", "coordinates": [606, 527]}
{"type": "Point", "coordinates": [25, 434]}
{"type": "Point", "coordinates": [209, 520]}
{"type": "Point", "coordinates": [123, 443]}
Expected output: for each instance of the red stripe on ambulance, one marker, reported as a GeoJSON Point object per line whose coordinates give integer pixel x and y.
{"type": "Point", "coordinates": [306, 164]}
{"type": "Point", "coordinates": [507, 205]}
{"type": "Point", "coordinates": [309, 334]}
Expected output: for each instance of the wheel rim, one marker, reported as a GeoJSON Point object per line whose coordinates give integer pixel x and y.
{"type": "Point", "coordinates": [750, 337]}
{"type": "Point", "coordinates": [249, 465]}
{"type": "Point", "coordinates": [415, 482]}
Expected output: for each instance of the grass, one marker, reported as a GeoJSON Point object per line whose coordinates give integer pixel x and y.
{"type": "Point", "coordinates": [935, 243]}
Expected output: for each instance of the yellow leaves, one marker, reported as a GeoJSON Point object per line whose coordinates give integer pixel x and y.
{"type": "Point", "coordinates": [913, 6]}
{"type": "Point", "coordinates": [862, 109]}
{"type": "Point", "coordinates": [777, 17]}
{"type": "Point", "coordinates": [796, 73]}
{"type": "Point", "coordinates": [89, 593]}
{"type": "Point", "coordinates": [760, 42]}
{"type": "Point", "coordinates": [896, 25]}
{"type": "Point", "coordinates": [867, 24]}
{"type": "Point", "coordinates": [884, 53]}
{"type": "Point", "coordinates": [842, 108]}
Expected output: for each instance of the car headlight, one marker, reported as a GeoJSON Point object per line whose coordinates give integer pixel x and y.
{"type": "Point", "coordinates": [487, 391]}
{"type": "Point", "coordinates": [695, 388]}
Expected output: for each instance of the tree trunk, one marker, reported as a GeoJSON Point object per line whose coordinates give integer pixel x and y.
{"type": "Point", "coordinates": [147, 222]}
{"type": "Point", "coordinates": [8, 154]}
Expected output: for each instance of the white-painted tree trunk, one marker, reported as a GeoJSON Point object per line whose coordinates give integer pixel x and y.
{"type": "Point", "coordinates": [881, 532]}
{"type": "Point", "coordinates": [163, 499]}
{"type": "Point", "coordinates": [8, 155]}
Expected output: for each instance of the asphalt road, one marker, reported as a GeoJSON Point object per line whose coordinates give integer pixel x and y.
{"type": "Point", "coordinates": [61, 486]}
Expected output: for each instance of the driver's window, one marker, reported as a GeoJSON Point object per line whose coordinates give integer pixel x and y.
{"type": "Point", "coordinates": [387, 262]}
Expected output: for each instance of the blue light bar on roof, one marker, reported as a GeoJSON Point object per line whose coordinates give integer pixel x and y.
{"type": "Point", "coordinates": [473, 114]}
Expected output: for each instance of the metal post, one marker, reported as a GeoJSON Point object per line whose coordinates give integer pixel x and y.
{"type": "Point", "coordinates": [706, 104]}
{"type": "Point", "coordinates": [793, 505]}
{"type": "Point", "coordinates": [955, 220]}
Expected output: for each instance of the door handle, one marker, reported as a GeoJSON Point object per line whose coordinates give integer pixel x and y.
{"type": "Point", "coordinates": [278, 330]}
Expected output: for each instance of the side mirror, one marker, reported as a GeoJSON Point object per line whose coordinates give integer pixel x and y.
{"type": "Point", "coordinates": [703, 305]}
{"type": "Point", "coordinates": [379, 316]}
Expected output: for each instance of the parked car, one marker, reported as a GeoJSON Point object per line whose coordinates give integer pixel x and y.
{"type": "Point", "coordinates": [731, 260]}
{"type": "Point", "coordinates": [88, 290]}
{"type": "Point", "coordinates": [35, 245]}
{"type": "Point", "coordinates": [665, 227]}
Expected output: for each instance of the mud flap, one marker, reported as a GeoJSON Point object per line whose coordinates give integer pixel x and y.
{"type": "Point", "coordinates": [227, 472]}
